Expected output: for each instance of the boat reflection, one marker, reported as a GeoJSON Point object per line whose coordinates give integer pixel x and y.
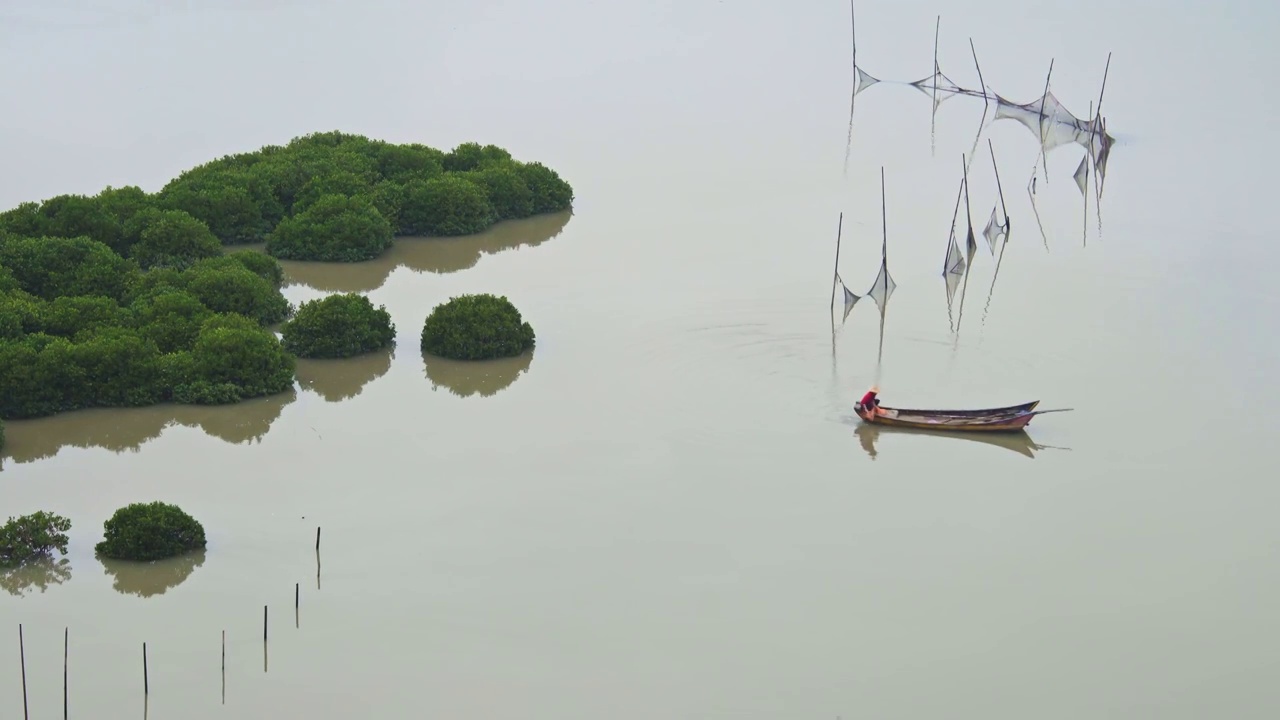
{"type": "Point", "coordinates": [1019, 442]}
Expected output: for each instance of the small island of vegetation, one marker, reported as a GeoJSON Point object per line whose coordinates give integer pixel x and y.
{"type": "Point", "coordinates": [338, 326]}
{"type": "Point", "coordinates": [32, 537]}
{"type": "Point", "coordinates": [476, 327]}
{"type": "Point", "coordinates": [130, 298]}
{"type": "Point", "coordinates": [150, 531]}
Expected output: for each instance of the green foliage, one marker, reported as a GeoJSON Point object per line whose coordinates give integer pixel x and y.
{"type": "Point", "coordinates": [338, 326]}
{"type": "Point", "coordinates": [20, 313]}
{"type": "Point", "coordinates": [476, 327]}
{"type": "Point", "coordinates": [506, 189]}
{"type": "Point", "coordinates": [170, 238]}
{"type": "Point", "coordinates": [407, 162]}
{"type": "Point", "coordinates": [32, 537]}
{"type": "Point", "coordinates": [68, 316]}
{"type": "Point", "coordinates": [471, 155]}
{"type": "Point", "coordinates": [233, 359]}
{"type": "Point", "coordinates": [444, 206]}
{"type": "Point", "coordinates": [341, 182]}
{"type": "Point", "coordinates": [550, 192]}
{"type": "Point", "coordinates": [150, 531]}
{"type": "Point", "coordinates": [170, 318]}
{"type": "Point", "coordinates": [260, 264]}
{"type": "Point", "coordinates": [118, 367]}
{"type": "Point", "coordinates": [125, 297]}
{"type": "Point", "coordinates": [225, 285]}
{"type": "Point", "coordinates": [335, 227]}
{"type": "Point", "coordinates": [51, 267]}
{"type": "Point", "coordinates": [237, 205]}
{"type": "Point", "coordinates": [8, 282]}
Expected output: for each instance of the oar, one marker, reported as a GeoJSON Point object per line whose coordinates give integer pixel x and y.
{"type": "Point", "coordinates": [1042, 412]}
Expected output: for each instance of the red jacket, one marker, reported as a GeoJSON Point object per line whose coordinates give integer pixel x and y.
{"type": "Point", "coordinates": [868, 399]}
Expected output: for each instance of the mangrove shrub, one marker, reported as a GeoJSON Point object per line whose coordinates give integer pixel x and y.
{"type": "Point", "coordinates": [334, 227]}
{"type": "Point", "coordinates": [150, 531]}
{"type": "Point", "coordinates": [338, 326]}
{"type": "Point", "coordinates": [444, 206]}
{"type": "Point", "coordinates": [170, 238]}
{"type": "Point", "coordinates": [32, 537]}
{"type": "Point", "coordinates": [476, 327]}
{"type": "Point", "coordinates": [85, 350]}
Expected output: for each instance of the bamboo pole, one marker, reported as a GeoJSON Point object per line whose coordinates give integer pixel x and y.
{"type": "Point", "coordinates": [22, 659]}
{"type": "Point", "coordinates": [66, 646]}
{"type": "Point", "coordinates": [146, 681]}
{"type": "Point", "coordinates": [981, 82]}
{"type": "Point", "coordinates": [836, 274]}
{"type": "Point", "coordinates": [999, 189]}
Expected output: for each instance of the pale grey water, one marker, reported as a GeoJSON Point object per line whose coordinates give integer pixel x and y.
{"type": "Point", "coordinates": [668, 512]}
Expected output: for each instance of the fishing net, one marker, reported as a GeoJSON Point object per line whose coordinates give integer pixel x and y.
{"type": "Point", "coordinates": [862, 80]}
{"type": "Point", "coordinates": [1081, 175]}
{"type": "Point", "coordinates": [954, 263]}
{"type": "Point", "coordinates": [941, 83]}
{"type": "Point", "coordinates": [1050, 121]}
{"type": "Point", "coordinates": [883, 286]}
{"type": "Point", "coordinates": [850, 299]}
{"type": "Point", "coordinates": [994, 230]}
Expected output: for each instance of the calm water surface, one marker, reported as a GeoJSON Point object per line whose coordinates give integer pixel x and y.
{"type": "Point", "coordinates": [668, 509]}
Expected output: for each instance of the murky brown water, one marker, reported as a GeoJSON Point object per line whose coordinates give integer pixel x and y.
{"type": "Point", "coordinates": [668, 509]}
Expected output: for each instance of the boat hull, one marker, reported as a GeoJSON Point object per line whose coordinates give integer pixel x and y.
{"type": "Point", "coordinates": [1011, 419]}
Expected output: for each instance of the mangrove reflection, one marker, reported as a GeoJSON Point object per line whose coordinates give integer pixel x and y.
{"type": "Point", "coordinates": [1019, 442]}
{"type": "Point", "coordinates": [36, 575]}
{"type": "Point", "coordinates": [128, 429]}
{"type": "Point", "coordinates": [343, 378]}
{"type": "Point", "coordinates": [465, 378]}
{"type": "Point", "coordinates": [419, 254]}
{"type": "Point", "coordinates": [146, 579]}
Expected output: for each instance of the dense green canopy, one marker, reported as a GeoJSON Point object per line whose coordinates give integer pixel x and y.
{"type": "Point", "coordinates": [291, 196]}
{"type": "Point", "coordinates": [476, 327]}
{"type": "Point", "coordinates": [338, 326]}
{"type": "Point", "coordinates": [81, 326]}
{"type": "Point", "coordinates": [129, 298]}
{"type": "Point", "coordinates": [150, 531]}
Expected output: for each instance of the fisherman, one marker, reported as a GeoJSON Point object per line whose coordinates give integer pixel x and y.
{"type": "Point", "coordinates": [870, 402]}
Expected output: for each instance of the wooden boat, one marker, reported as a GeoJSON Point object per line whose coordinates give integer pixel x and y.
{"type": "Point", "coordinates": [1007, 410]}
{"type": "Point", "coordinates": [1012, 418]}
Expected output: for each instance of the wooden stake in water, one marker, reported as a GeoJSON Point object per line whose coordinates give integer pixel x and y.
{"type": "Point", "coordinates": [146, 682]}
{"type": "Point", "coordinates": [981, 82]}
{"type": "Point", "coordinates": [22, 655]}
{"type": "Point", "coordinates": [264, 623]}
{"type": "Point", "coordinates": [1043, 98]}
{"type": "Point", "coordinates": [66, 640]}
{"type": "Point", "coordinates": [317, 558]}
{"type": "Point", "coordinates": [835, 275]}
{"type": "Point", "coordinates": [1003, 208]}
{"type": "Point", "coordinates": [297, 595]}
{"type": "Point", "coordinates": [224, 667]}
